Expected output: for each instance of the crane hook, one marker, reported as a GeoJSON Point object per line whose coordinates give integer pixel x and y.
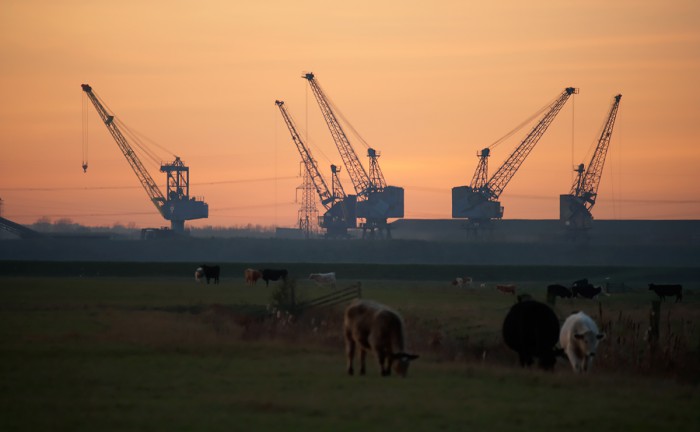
{"type": "Point", "coordinates": [85, 165]}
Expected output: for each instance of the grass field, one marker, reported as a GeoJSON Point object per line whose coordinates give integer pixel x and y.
{"type": "Point", "coordinates": [158, 353]}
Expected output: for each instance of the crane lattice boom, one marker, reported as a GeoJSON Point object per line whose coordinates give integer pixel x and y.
{"type": "Point", "coordinates": [327, 198]}
{"type": "Point", "coordinates": [144, 177]}
{"type": "Point", "coordinates": [505, 173]}
{"type": "Point", "coordinates": [586, 186]}
{"type": "Point", "coordinates": [360, 180]}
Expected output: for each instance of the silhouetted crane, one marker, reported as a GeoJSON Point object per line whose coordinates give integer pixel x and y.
{"type": "Point", "coordinates": [478, 202]}
{"type": "Point", "coordinates": [375, 200]}
{"type": "Point", "coordinates": [340, 207]}
{"type": "Point", "coordinates": [176, 206]}
{"type": "Point", "coordinates": [575, 207]}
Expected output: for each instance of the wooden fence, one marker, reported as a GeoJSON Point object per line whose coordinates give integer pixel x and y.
{"type": "Point", "coordinates": [334, 298]}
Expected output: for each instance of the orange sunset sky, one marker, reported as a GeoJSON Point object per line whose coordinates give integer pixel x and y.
{"type": "Point", "coordinates": [428, 84]}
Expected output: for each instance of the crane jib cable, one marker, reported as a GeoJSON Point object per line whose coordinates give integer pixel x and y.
{"type": "Point", "coordinates": [347, 122]}
{"type": "Point", "coordinates": [135, 136]}
{"type": "Point", "coordinates": [523, 124]}
{"type": "Point", "coordinates": [85, 130]}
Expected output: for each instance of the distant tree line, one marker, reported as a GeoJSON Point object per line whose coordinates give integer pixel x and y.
{"type": "Point", "coordinates": [130, 230]}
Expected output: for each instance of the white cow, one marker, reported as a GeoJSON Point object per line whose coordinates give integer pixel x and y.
{"type": "Point", "coordinates": [199, 274]}
{"type": "Point", "coordinates": [323, 278]}
{"type": "Point", "coordinates": [579, 337]}
{"type": "Point", "coordinates": [461, 282]}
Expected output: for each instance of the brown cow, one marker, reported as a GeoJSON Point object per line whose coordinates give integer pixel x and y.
{"type": "Point", "coordinates": [251, 276]}
{"type": "Point", "coordinates": [377, 328]}
{"type": "Point", "coordinates": [507, 289]}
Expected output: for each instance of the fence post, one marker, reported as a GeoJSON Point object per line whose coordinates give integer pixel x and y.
{"type": "Point", "coordinates": [292, 296]}
{"type": "Point", "coordinates": [654, 318]}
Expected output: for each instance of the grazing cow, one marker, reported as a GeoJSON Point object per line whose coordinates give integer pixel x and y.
{"type": "Point", "coordinates": [587, 291]}
{"type": "Point", "coordinates": [379, 329]}
{"type": "Point", "coordinates": [251, 276]}
{"type": "Point", "coordinates": [506, 289]}
{"type": "Point", "coordinates": [462, 281]}
{"type": "Point", "coordinates": [579, 339]}
{"type": "Point", "coordinates": [668, 290]}
{"type": "Point", "coordinates": [531, 329]}
{"type": "Point", "coordinates": [558, 291]}
{"type": "Point", "coordinates": [323, 278]}
{"type": "Point", "coordinates": [273, 275]}
{"type": "Point", "coordinates": [207, 272]}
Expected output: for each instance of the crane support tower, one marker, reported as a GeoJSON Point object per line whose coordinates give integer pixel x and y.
{"type": "Point", "coordinates": [478, 202]}
{"type": "Point", "coordinates": [176, 206]}
{"type": "Point", "coordinates": [308, 213]}
{"type": "Point", "coordinates": [376, 201]}
{"type": "Point", "coordinates": [340, 208]}
{"type": "Point", "coordinates": [575, 207]}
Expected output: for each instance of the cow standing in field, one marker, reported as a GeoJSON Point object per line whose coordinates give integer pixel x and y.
{"type": "Point", "coordinates": [323, 278]}
{"type": "Point", "coordinates": [558, 291]}
{"type": "Point", "coordinates": [379, 329]}
{"type": "Point", "coordinates": [208, 273]}
{"type": "Point", "coordinates": [579, 339]}
{"type": "Point", "coordinates": [532, 329]}
{"type": "Point", "coordinates": [251, 276]}
{"type": "Point", "coordinates": [667, 290]}
{"type": "Point", "coordinates": [586, 291]}
{"type": "Point", "coordinates": [273, 275]}
{"type": "Point", "coordinates": [506, 289]}
{"type": "Point", "coordinates": [462, 282]}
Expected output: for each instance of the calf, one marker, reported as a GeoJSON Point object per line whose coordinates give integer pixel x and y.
{"type": "Point", "coordinates": [251, 276]}
{"type": "Point", "coordinates": [208, 272]}
{"type": "Point", "coordinates": [531, 329]}
{"type": "Point", "coordinates": [273, 275]}
{"type": "Point", "coordinates": [667, 290]}
{"type": "Point", "coordinates": [323, 278]}
{"type": "Point", "coordinates": [507, 289]}
{"type": "Point", "coordinates": [579, 339]}
{"type": "Point", "coordinates": [558, 291]}
{"type": "Point", "coordinates": [376, 328]}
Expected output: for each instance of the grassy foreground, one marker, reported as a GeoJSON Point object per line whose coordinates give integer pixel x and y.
{"type": "Point", "coordinates": [133, 354]}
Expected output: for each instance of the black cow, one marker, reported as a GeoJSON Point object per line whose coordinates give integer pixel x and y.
{"type": "Point", "coordinates": [556, 290]}
{"type": "Point", "coordinates": [532, 330]}
{"type": "Point", "coordinates": [587, 291]}
{"type": "Point", "coordinates": [273, 275]}
{"type": "Point", "coordinates": [209, 272]}
{"type": "Point", "coordinates": [668, 290]}
{"type": "Point", "coordinates": [580, 283]}
{"type": "Point", "coordinates": [584, 289]}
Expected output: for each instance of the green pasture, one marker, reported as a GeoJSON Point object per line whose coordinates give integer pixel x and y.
{"type": "Point", "coordinates": [104, 352]}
